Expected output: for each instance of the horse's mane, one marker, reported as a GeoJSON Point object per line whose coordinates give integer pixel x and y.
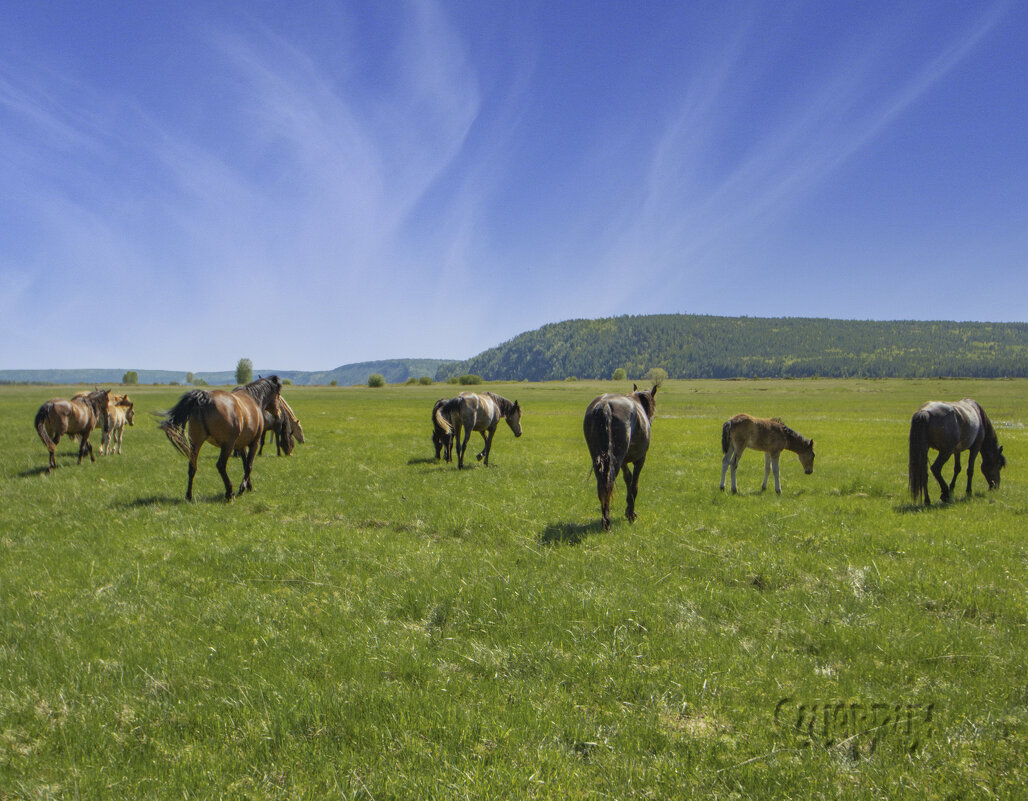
{"type": "Point", "coordinates": [506, 406]}
{"type": "Point", "coordinates": [990, 438]}
{"type": "Point", "coordinates": [261, 388]}
{"type": "Point", "coordinates": [790, 434]}
{"type": "Point", "coordinates": [646, 399]}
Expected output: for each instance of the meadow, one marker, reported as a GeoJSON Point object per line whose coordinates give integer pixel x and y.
{"type": "Point", "coordinates": [373, 624]}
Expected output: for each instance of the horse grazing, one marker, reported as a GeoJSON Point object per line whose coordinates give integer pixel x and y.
{"type": "Point", "coordinates": [617, 431]}
{"type": "Point", "coordinates": [442, 438]}
{"type": "Point", "coordinates": [120, 411]}
{"type": "Point", "coordinates": [284, 426]}
{"type": "Point", "coordinates": [234, 421]}
{"type": "Point", "coordinates": [951, 428]}
{"type": "Point", "coordinates": [476, 412]}
{"type": "Point", "coordinates": [76, 417]}
{"type": "Point", "coordinates": [770, 436]}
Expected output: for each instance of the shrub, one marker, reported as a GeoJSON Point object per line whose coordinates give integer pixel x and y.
{"type": "Point", "coordinates": [333, 383]}
{"type": "Point", "coordinates": [287, 382]}
{"type": "Point", "coordinates": [571, 378]}
{"type": "Point", "coordinates": [411, 380]}
{"type": "Point", "coordinates": [656, 375]}
{"type": "Point", "coordinates": [452, 380]}
{"type": "Point", "coordinates": [131, 377]}
{"type": "Point", "coordinates": [244, 371]}
{"type": "Point", "coordinates": [470, 378]}
{"type": "Point", "coordinates": [425, 380]}
{"type": "Point", "coordinates": [619, 374]}
{"type": "Point", "coordinates": [376, 380]}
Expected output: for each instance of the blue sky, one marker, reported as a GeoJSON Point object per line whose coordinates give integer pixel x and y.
{"type": "Point", "coordinates": [316, 183]}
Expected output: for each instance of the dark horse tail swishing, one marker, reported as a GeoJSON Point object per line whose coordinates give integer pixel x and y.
{"type": "Point", "coordinates": [951, 428]}
{"type": "Point", "coordinates": [234, 421]}
{"type": "Point", "coordinates": [617, 432]}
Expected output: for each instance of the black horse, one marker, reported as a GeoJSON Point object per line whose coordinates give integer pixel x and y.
{"type": "Point", "coordinates": [442, 439]}
{"type": "Point", "coordinates": [617, 431]}
{"type": "Point", "coordinates": [951, 428]}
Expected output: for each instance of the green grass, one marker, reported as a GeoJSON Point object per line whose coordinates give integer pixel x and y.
{"type": "Point", "coordinates": [372, 624]}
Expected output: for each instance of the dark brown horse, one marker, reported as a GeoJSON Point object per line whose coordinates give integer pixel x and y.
{"type": "Point", "coordinates": [442, 438]}
{"type": "Point", "coordinates": [234, 421]}
{"type": "Point", "coordinates": [951, 428]}
{"type": "Point", "coordinates": [76, 417]}
{"type": "Point", "coordinates": [285, 428]}
{"type": "Point", "coordinates": [477, 412]}
{"type": "Point", "coordinates": [770, 436]}
{"type": "Point", "coordinates": [617, 431]}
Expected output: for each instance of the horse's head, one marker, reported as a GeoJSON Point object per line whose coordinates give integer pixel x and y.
{"type": "Point", "coordinates": [806, 455]}
{"type": "Point", "coordinates": [993, 461]}
{"type": "Point", "coordinates": [647, 398]}
{"type": "Point", "coordinates": [513, 418]}
{"type": "Point", "coordinates": [129, 414]}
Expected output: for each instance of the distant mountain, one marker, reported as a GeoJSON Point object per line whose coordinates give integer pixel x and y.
{"type": "Point", "coordinates": [698, 346]}
{"type": "Point", "coordinates": [395, 371]}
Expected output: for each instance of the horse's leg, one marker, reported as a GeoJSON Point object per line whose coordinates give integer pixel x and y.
{"type": "Point", "coordinates": [84, 446]}
{"type": "Point", "coordinates": [632, 488]}
{"type": "Point", "coordinates": [226, 454]}
{"type": "Point", "coordinates": [937, 472]}
{"type": "Point", "coordinates": [488, 445]}
{"type": "Point", "coordinates": [248, 457]}
{"type": "Point", "coordinates": [463, 446]}
{"type": "Point", "coordinates": [725, 462]}
{"type": "Point", "coordinates": [774, 469]}
{"type": "Point", "coordinates": [260, 450]}
{"type": "Point", "coordinates": [956, 471]}
{"type": "Point", "coordinates": [970, 468]}
{"type": "Point", "coordinates": [767, 469]}
{"type": "Point", "coordinates": [735, 464]}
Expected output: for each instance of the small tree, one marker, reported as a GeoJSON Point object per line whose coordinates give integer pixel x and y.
{"type": "Point", "coordinates": [426, 380]}
{"type": "Point", "coordinates": [376, 380]}
{"type": "Point", "coordinates": [189, 378]}
{"type": "Point", "coordinates": [619, 374]}
{"type": "Point", "coordinates": [656, 375]}
{"type": "Point", "coordinates": [244, 371]}
{"type": "Point", "coordinates": [333, 383]}
{"type": "Point", "coordinates": [131, 377]}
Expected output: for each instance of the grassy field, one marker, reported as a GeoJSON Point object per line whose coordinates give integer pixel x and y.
{"type": "Point", "coordinates": [372, 624]}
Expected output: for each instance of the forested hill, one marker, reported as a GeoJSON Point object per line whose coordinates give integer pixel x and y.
{"type": "Point", "coordinates": [693, 346]}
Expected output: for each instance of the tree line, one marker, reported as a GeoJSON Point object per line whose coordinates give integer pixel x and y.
{"type": "Point", "coordinates": [698, 346]}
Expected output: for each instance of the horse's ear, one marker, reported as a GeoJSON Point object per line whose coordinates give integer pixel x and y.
{"type": "Point", "coordinates": [635, 388]}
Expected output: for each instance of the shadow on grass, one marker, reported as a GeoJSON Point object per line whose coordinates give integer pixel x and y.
{"type": "Point", "coordinates": [569, 533]}
{"type": "Point", "coordinates": [35, 471]}
{"type": "Point", "coordinates": [423, 460]}
{"type": "Point", "coordinates": [936, 505]}
{"type": "Point", "coordinates": [164, 500]}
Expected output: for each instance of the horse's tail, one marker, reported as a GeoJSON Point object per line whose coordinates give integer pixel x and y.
{"type": "Point", "coordinates": [444, 415]}
{"type": "Point", "coordinates": [41, 415]}
{"type": "Point", "coordinates": [605, 465]}
{"type": "Point", "coordinates": [175, 419]}
{"type": "Point", "coordinates": [917, 464]}
{"type": "Point", "coordinates": [726, 436]}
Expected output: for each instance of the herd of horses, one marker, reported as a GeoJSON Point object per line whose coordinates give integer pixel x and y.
{"type": "Point", "coordinates": [617, 432]}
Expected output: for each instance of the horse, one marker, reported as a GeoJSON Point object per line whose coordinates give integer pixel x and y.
{"type": "Point", "coordinates": [442, 438]}
{"type": "Point", "coordinates": [771, 436]}
{"type": "Point", "coordinates": [75, 417]}
{"type": "Point", "coordinates": [284, 426]}
{"type": "Point", "coordinates": [234, 421]}
{"type": "Point", "coordinates": [617, 432]}
{"type": "Point", "coordinates": [476, 412]}
{"type": "Point", "coordinates": [120, 411]}
{"type": "Point", "coordinates": [951, 428]}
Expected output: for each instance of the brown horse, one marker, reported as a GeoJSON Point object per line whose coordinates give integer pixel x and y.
{"type": "Point", "coordinates": [770, 436]}
{"type": "Point", "coordinates": [234, 421]}
{"type": "Point", "coordinates": [477, 412]}
{"type": "Point", "coordinates": [76, 417]}
{"type": "Point", "coordinates": [951, 428]}
{"type": "Point", "coordinates": [617, 432]}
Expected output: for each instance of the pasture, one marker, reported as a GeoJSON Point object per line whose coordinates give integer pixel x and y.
{"type": "Point", "coordinates": [372, 624]}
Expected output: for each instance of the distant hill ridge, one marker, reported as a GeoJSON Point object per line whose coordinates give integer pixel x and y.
{"type": "Point", "coordinates": [700, 346]}
{"type": "Point", "coordinates": [393, 370]}
{"type": "Point", "coordinates": [685, 345]}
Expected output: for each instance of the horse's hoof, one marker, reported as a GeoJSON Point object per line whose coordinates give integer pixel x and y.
{"type": "Point", "coordinates": [479, 457]}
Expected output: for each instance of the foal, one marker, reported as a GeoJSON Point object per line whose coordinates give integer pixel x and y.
{"type": "Point", "coordinates": [770, 436]}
